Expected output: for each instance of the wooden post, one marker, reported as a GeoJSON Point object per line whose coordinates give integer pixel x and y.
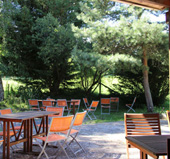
{"type": "Point", "coordinates": [168, 21]}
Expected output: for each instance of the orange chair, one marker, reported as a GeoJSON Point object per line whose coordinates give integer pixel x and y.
{"type": "Point", "coordinates": [34, 104]}
{"type": "Point", "coordinates": [91, 110]}
{"type": "Point", "coordinates": [141, 124]}
{"type": "Point", "coordinates": [76, 104]}
{"type": "Point", "coordinates": [86, 103]}
{"type": "Point", "coordinates": [53, 100]}
{"type": "Point", "coordinates": [62, 103]}
{"type": "Point", "coordinates": [114, 102]}
{"type": "Point", "coordinates": [79, 118]}
{"type": "Point", "coordinates": [58, 125]}
{"type": "Point", "coordinates": [55, 109]}
{"type": "Point", "coordinates": [105, 104]}
{"type": "Point", "coordinates": [130, 106]}
{"type": "Point", "coordinates": [46, 103]}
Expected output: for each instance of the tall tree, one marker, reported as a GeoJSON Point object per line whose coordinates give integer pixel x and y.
{"type": "Point", "coordinates": [37, 53]}
{"type": "Point", "coordinates": [133, 35]}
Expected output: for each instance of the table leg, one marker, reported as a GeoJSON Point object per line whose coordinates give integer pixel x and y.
{"type": "Point", "coordinates": [25, 136]}
{"type": "Point", "coordinates": [46, 125]}
{"type": "Point", "coordinates": [31, 134]}
{"type": "Point", "coordinates": [4, 138]}
{"type": "Point", "coordinates": [143, 155]}
{"type": "Point", "coordinates": [8, 140]}
{"type": "Point", "coordinates": [28, 135]}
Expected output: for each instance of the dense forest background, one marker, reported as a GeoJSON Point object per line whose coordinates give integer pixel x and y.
{"type": "Point", "coordinates": [71, 48]}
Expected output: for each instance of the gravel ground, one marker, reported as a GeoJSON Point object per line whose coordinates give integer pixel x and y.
{"type": "Point", "coordinates": [100, 141]}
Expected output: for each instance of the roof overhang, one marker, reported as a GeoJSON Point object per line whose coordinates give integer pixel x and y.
{"type": "Point", "coordinates": [149, 4]}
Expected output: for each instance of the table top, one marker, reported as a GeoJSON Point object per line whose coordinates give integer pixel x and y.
{"type": "Point", "coordinates": [156, 144]}
{"type": "Point", "coordinates": [26, 115]}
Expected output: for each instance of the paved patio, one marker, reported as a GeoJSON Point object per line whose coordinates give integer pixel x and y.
{"type": "Point", "coordinates": [101, 141]}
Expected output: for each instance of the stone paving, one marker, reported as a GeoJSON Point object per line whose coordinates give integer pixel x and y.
{"type": "Point", "coordinates": [100, 141]}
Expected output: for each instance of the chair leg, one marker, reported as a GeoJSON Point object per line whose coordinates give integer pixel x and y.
{"type": "Point", "coordinates": [42, 151]}
{"type": "Point", "coordinates": [89, 116]}
{"type": "Point", "coordinates": [127, 149]}
{"type": "Point", "coordinates": [62, 146]}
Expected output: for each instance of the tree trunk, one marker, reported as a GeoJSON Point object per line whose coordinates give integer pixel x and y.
{"type": "Point", "coordinates": [1, 90]}
{"type": "Point", "coordinates": [147, 91]}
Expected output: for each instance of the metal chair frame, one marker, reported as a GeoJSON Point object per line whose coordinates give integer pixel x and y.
{"type": "Point", "coordinates": [91, 110]}
{"type": "Point", "coordinates": [130, 106]}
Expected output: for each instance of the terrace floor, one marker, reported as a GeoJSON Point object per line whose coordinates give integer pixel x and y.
{"type": "Point", "coordinates": [101, 141]}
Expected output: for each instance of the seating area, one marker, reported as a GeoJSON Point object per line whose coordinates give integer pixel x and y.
{"type": "Point", "coordinates": [51, 126]}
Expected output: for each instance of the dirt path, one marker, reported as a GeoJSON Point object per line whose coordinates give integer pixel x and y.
{"type": "Point", "coordinates": [100, 141]}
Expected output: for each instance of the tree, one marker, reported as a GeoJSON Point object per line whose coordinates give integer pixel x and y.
{"type": "Point", "coordinates": [134, 35]}
{"type": "Point", "coordinates": [33, 51]}
{"type": "Point", "coordinates": [91, 66]}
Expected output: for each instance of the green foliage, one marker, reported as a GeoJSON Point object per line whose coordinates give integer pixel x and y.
{"type": "Point", "coordinates": [37, 41]}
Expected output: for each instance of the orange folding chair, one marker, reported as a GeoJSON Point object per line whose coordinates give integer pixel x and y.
{"type": "Point", "coordinates": [130, 106]}
{"type": "Point", "coordinates": [78, 121]}
{"type": "Point", "coordinates": [46, 103]}
{"type": "Point", "coordinates": [58, 125]}
{"type": "Point", "coordinates": [33, 104]}
{"type": "Point", "coordinates": [114, 103]}
{"type": "Point", "coordinates": [86, 103]}
{"type": "Point", "coordinates": [76, 104]}
{"type": "Point", "coordinates": [105, 104]}
{"type": "Point", "coordinates": [91, 110]}
{"type": "Point", "coordinates": [62, 103]}
{"type": "Point", "coordinates": [53, 100]}
{"type": "Point", "coordinates": [55, 109]}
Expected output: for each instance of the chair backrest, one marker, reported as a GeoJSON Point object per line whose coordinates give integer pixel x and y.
{"type": "Point", "coordinates": [50, 99]}
{"type": "Point", "coordinates": [105, 101]}
{"type": "Point", "coordinates": [55, 109]}
{"type": "Point", "coordinates": [47, 103]}
{"type": "Point", "coordinates": [79, 117]}
{"type": "Point", "coordinates": [5, 111]}
{"type": "Point", "coordinates": [77, 102]}
{"type": "Point", "coordinates": [142, 124]}
{"type": "Point", "coordinates": [33, 102]}
{"type": "Point", "coordinates": [94, 104]}
{"type": "Point", "coordinates": [114, 99]}
{"type": "Point", "coordinates": [134, 100]}
{"type": "Point", "coordinates": [59, 124]}
{"type": "Point", "coordinates": [86, 103]}
{"type": "Point", "coordinates": [61, 102]}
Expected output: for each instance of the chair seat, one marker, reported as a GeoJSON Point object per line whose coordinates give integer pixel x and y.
{"type": "Point", "coordinates": [73, 131]}
{"type": "Point", "coordinates": [105, 106]}
{"type": "Point", "coordinates": [11, 133]}
{"type": "Point", "coordinates": [90, 109]}
{"type": "Point", "coordinates": [52, 138]}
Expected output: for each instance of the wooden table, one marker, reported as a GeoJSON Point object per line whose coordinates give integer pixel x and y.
{"type": "Point", "coordinates": [153, 145]}
{"type": "Point", "coordinates": [27, 122]}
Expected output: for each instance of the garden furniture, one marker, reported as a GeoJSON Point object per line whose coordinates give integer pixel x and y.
{"type": "Point", "coordinates": [140, 124]}
{"type": "Point", "coordinates": [105, 104]}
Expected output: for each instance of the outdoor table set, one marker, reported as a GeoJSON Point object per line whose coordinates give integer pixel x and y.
{"type": "Point", "coordinates": [143, 132]}
{"type": "Point", "coordinates": [27, 120]}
